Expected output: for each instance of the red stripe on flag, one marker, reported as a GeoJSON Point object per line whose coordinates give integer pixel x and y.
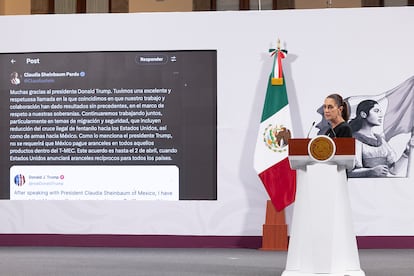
{"type": "Point", "coordinates": [280, 183]}
{"type": "Point", "coordinates": [280, 55]}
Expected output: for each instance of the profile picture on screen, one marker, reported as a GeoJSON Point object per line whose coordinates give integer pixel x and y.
{"type": "Point", "coordinates": [14, 78]}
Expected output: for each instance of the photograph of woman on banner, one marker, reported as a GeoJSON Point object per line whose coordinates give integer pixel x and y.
{"type": "Point", "coordinates": [384, 135]}
{"type": "Point", "coordinates": [374, 156]}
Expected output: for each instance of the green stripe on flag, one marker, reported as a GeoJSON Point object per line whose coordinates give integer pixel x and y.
{"type": "Point", "coordinates": [276, 99]}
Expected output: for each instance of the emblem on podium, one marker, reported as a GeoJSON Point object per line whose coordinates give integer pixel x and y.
{"type": "Point", "coordinates": [321, 148]}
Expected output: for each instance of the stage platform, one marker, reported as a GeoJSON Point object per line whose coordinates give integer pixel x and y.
{"type": "Point", "coordinates": [82, 261]}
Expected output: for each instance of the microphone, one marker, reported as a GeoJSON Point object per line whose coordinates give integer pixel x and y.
{"type": "Point", "coordinates": [307, 136]}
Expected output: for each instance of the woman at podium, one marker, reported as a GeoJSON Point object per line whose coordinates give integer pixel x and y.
{"type": "Point", "coordinates": [322, 240]}
{"type": "Point", "coordinates": [336, 112]}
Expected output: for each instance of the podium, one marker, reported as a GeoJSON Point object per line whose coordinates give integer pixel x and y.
{"type": "Point", "coordinates": [322, 240]}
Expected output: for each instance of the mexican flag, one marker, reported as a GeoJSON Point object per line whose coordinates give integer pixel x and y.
{"type": "Point", "coordinates": [271, 154]}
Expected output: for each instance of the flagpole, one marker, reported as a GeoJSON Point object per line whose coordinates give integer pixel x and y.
{"type": "Point", "coordinates": [329, 3]}
{"type": "Point", "coordinates": [274, 231]}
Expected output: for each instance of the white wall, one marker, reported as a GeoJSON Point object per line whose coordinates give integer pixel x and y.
{"type": "Point", "coordinates": [352, 51]}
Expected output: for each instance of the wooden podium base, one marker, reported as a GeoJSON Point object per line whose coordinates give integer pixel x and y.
{"type": "Point", "coordinates": [275, 235]}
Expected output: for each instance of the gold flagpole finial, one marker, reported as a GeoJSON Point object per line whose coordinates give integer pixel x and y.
{"type": "Point", "coordinates": [277, 78]}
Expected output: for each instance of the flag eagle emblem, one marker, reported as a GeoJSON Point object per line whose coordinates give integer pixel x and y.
{"type": "Point", "coordinates": [276, 137]}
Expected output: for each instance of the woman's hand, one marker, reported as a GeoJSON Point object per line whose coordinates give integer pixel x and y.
{"type": "Point", "coordinates": [380, 170]}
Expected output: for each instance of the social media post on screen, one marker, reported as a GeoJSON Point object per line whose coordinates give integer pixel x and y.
{"type": "Point", "coordinates": [110, 125]}
{"type": "Point", "coordinates": [80, 182]}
